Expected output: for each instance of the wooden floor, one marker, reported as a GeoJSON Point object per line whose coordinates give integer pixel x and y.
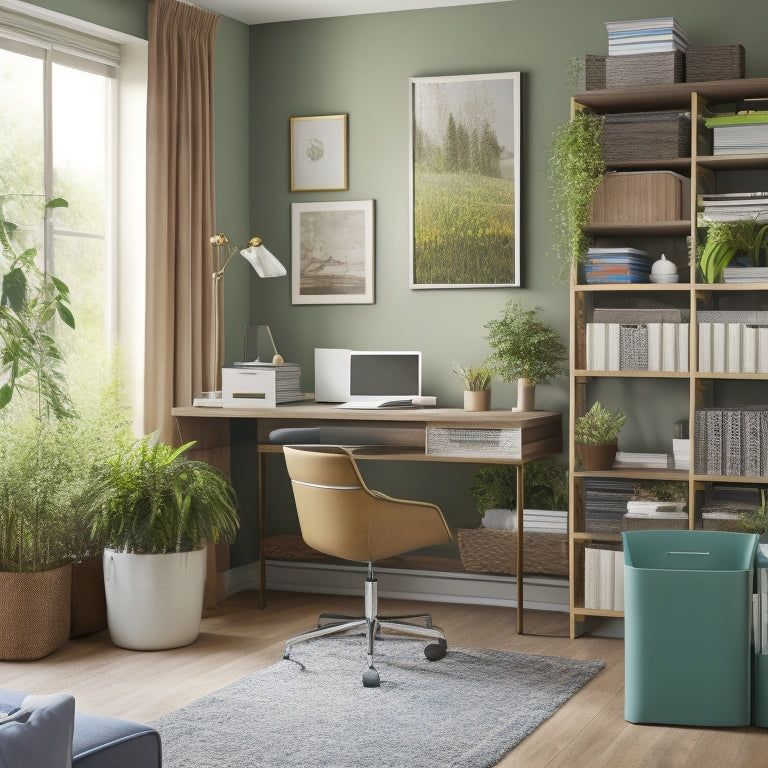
{"type": "Point", "coordinates": [588, 731]}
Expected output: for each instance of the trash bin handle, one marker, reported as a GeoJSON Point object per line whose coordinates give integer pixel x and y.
{"type": "Point", "coordinates": [688, 553]}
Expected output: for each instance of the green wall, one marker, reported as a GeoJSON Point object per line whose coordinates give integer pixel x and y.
{"type": "Point", "coordinates": [360, 65]}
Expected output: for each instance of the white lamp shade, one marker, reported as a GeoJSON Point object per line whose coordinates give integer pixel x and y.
{"type": "Point", "coordinates": [265, 264]}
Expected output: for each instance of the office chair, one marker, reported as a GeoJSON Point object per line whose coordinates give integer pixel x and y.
{"type": "Point", "coordinates": [340, 516]}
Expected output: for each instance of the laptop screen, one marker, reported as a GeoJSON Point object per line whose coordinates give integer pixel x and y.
{"type": "Point", "coordinates": [384, 374]}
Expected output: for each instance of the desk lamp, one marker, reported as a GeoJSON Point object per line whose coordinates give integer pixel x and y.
{"type": "Point", "coordinates": [263, 263]}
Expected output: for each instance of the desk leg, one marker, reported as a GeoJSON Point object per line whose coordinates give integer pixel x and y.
{"type": "Point", "coordinates": [519, 570]}
{"type": "Point", "coordinates": [262, 528]}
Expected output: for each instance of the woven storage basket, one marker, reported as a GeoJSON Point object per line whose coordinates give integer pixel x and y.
{"type": "Point", "coordinates": [594, 72]}
{"type": "Point", "coordinates": [659, 68]}
{"type": "Point", "coordinates": [35, 611]}
{"type": "Point", "coordinates": [89, 603]}
{"type": "Point", "coordinates": [487, 550]}
{"type": "Point", "coordinates": [289, 546]}
{"type": "Point", "coordinates": [650, 524]}
{"type": "Point", "coordinates": [646, 136]}
{"type": "Point", "coordinates": [719, 62]}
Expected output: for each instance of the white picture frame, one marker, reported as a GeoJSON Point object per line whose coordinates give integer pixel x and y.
{"type": "Point", "coordinates": [332, 252]}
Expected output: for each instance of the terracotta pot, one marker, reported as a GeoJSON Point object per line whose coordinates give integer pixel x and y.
{"type": "Point", "coordinates": [594, 457]}
{"type": "Point", "coordinates": [477, 400]}
{"type": "Point", "coordinates": [526, 395]}
{"type": "Point", "coordinates": [35, 613]}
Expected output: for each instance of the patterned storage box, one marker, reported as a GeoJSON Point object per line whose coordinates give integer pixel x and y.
{"type": "Point", "coordinates": [646, 136]}
{"type": "Point", "coordinates": [659, 68]}
{"type": "Point", "coordinates": [720, 62]}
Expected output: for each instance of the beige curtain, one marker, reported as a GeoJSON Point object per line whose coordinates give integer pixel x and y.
{"type": "Point", "coordinates": [180, 208]}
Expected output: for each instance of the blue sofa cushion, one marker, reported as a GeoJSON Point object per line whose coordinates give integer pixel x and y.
{"type": "Point", "coordinates": [105, 742]}
{"type": "Point", "coordinates": [38, 733]}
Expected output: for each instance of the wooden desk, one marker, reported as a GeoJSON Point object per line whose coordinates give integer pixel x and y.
{"type": "Point", "coordinates": [393, 435]}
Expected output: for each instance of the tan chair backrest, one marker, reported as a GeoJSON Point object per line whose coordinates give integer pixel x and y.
{"type": "Point", "coordinates": [340, 516]}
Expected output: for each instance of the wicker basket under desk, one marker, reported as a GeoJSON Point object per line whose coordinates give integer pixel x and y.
{"type": "Point", "coordinates": [488, 550]}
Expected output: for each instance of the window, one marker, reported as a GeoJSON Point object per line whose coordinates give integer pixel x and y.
{"type": "Point", "coordinates": [63, 134]}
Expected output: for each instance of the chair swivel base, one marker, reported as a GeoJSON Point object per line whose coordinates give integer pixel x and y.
{"type": "Point", "coordinates": [372, 625]}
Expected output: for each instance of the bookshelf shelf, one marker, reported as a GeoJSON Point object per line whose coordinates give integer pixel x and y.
{"type": "Point", "coordinates": [682, 393]}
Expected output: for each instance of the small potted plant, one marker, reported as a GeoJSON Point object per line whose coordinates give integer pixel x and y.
{"type": "Point", "coordinates": [596, 436]}
{"type": "Point", "coordinates": [156, 510]}
{"type": "Point", "coordinates": [477, 386]}
{"type": "Point", "coordinates": [525, 350]}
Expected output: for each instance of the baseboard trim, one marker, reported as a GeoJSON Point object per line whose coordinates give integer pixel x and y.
{"type": "Point", "coordinates": [547, 593]}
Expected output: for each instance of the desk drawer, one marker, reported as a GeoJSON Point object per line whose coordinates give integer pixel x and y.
{"type": "Point", "coordinates": [474, 443]}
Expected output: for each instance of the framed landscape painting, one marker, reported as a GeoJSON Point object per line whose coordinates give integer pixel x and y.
{"type": "Point", "coordinates": [465, 181]}
{"type": "Point", "coordinates": [332, 252]}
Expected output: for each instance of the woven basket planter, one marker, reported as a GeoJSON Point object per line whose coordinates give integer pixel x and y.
{"type": "Point", "coordinates": [488, 550]}
{"type": "Point", "coordinates": [35, 611]}
{"type": "Point", "coordinates": [661, 68]}
{"type": "Point", "coordinates": [89, 604]}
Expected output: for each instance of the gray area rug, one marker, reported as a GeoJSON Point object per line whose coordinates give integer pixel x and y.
{"type": "Point", "coordinates": [465, 711]}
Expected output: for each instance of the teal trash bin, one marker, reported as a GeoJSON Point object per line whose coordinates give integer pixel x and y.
{"type": "Point", "coordinates": [760, 668]}
{"type": "Point", "coordinates": [687, 623]}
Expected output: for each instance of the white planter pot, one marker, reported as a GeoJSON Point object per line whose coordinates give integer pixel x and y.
{"type": "Point", "coordinates": [154, 601]}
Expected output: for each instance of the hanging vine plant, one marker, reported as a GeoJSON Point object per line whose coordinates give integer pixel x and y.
{"type": "Point", "coordinates": [574, 169]}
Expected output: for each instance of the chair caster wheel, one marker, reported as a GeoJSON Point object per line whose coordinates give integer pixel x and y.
{"type": "Point", "coordinates": [371, 678]}
{"type": "Point", "coordinates": [436, 651]}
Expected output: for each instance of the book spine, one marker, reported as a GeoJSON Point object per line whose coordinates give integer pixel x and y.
{"type": "Point", "coordinates": [705, 347]}
{"type": "Point", "coordinates": [668, 347]}
{"type": "Point", "coordinates": [714, 442]}
{"type": "Point", "coordinates": [750, 443]}
{"type": "Point", "coordinates": [733, 348]}
{"type": "Point", "coordinates": [590, 342]}
{"type": "Point", "coordinates": [718, 347]}
{"type": "Point", "coordinates": [599, 347]}
{"type": "Point", "coordinates": [732, 442]}
{"type": "Point", "coordinates": [682, 346]}
{"type": "Point", "coordinates": [762, 349]}
{"type": "Point", "coordinates": [591, 577]}
{"type": "Point", "coordinates": [749, 349]}
{"type": "Point", "coordinates": [613, 344]}
{"type": "Point", "coordinates": [618, 580]}
{"type": "Point", "coordinates": [654, 346]}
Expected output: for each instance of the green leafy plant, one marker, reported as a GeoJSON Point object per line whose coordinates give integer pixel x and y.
{"type": "Point", "coordinates": [153, 499]}
{"type": "Point", "coordinates": [599, 425]}
{"type": "Point", "coordinates": [725, 240]}
{"type": "Point", "coordinates": [524, 347]}
{"type": "Point", "coordinates": [545, 486]}
{"type": "Point", "coordinates": [31, 299]}
{"type": "Point", "coordinates": [575, 167]}
{"type": "Point", "coordinates": [475, 378]}
{"type": "Point", "coordinates": [755, 520]}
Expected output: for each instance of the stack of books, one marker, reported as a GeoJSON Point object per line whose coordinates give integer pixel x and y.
{"type": "Point", "coordinates": [645, 36]}
{"type": "Point", "coordinates": [736, 206]}
{"type": "Point", "coordinates": [681, 452]}
{"type": "Point", "coordinates": [545, 521]}
{"type": "Point", "coordinates": [616, 265]}
{"type": "Point", "coordinates": [741, 134]}
{"type": "Point", "coordinates": [745, 275]}
{"type": "Point", "coordinates": [656, 510]}
{"type": "Point", "coordinates": [604, 579]}
{"type": "Point", "coordinates": [647, 460]}
{"type": "Point", "coordinates": [606, 502]}
{"type": "Point", "coordinates": [287, 379]}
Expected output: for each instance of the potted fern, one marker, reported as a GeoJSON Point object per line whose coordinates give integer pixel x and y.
{"type": "Point", "coordinates": [156, 509]}
{"type": "Point", "coordinates": [525, 350]}
{"type": "Point", "coordinates": [596, 435]}
{"type": "Point", "coordinates": [477, 386]}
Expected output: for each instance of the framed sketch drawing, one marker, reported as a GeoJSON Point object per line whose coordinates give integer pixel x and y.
{"type": "Point", "coordinates": [465, 181]}
{"type": "Point", "coordinates": [332, 252]}
{"type": "Point", "coordinates": [319, 153]}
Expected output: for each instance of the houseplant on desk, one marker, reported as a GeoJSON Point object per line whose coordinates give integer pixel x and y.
{"type": "Point", "coordinates": [596, 435]}
{"type": "Point", "coordinates": [525, 349]}
{"type": "Point", "coordinates": [156, 510]}
{"type": "Point", "coordinates": [477, 386]}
